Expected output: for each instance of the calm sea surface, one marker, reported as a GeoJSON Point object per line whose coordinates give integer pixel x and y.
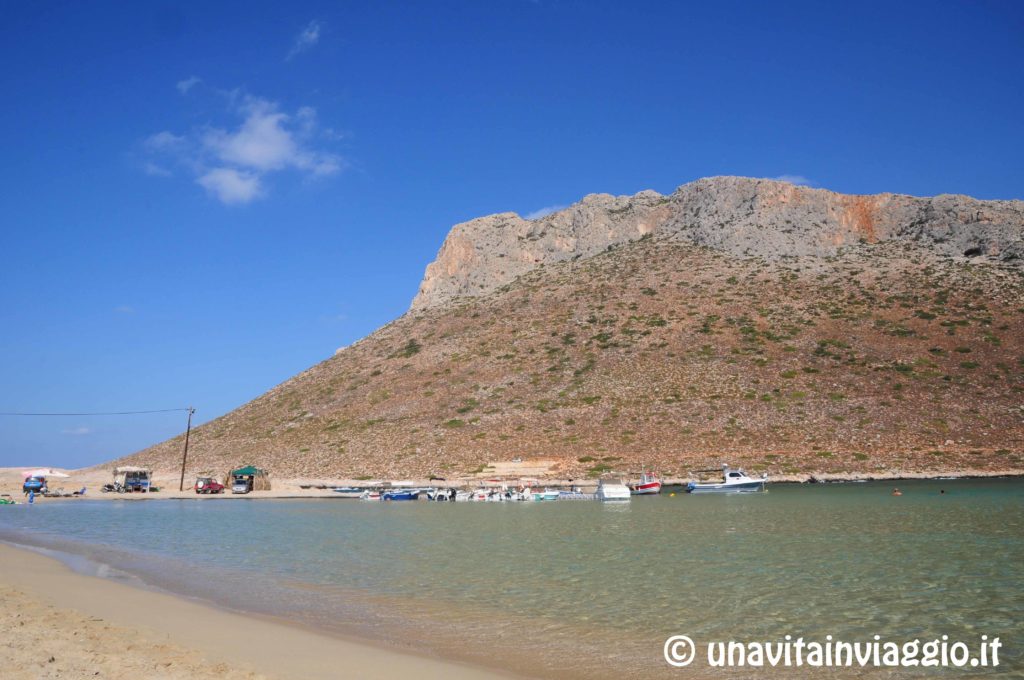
{"type": "Point", "coordinates": [580, 588]}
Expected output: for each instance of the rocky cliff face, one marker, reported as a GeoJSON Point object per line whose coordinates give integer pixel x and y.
{"type": "Point", "coordinates": [739, 216]}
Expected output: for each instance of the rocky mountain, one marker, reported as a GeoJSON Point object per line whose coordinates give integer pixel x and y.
{"type": "Point", "coordinates": [787, 329]}
{"type": "Point", "coordinates": [738, 216]}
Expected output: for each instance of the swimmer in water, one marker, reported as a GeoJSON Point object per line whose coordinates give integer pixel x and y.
{"type": "Point", "coordinates": [897, 492]}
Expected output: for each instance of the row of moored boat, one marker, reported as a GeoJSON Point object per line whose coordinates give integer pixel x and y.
{"type": "Point", "coordinates": [734, 480]}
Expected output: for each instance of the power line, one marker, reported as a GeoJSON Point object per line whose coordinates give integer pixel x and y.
{"type": "Point", "coordinates": [106, 413]}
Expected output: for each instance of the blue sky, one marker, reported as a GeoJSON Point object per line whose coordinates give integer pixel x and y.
{"type": "Point", "coordinates": [201, 201]}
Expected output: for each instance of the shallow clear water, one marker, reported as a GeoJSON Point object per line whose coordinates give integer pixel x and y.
{"type": "Point", "coordinates": [583, 588]}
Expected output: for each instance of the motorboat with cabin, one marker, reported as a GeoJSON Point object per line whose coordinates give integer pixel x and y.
{"type": "Point", "coordinates": [610, 490]}
{"type": "Point", "coordinates": [400, 495]}
{"type": "Point", "coordinates": [649, 485]}
{"type": "Point", "coordinates": [734, 480]}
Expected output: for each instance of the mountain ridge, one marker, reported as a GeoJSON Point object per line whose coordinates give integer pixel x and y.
{"type": "Point", "coordinates": [660, 341]}
{"type": "Point", "coordinates": [744, 217]}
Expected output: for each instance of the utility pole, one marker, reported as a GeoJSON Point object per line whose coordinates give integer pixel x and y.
{"type": "Point", "coordinates": [184, 456]}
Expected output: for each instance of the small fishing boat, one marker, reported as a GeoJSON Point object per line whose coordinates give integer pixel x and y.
{"type": "Point", "coordinates": [735, 480]}
{"type": "Point", "coordinates": [649, 485]}
{"type": "Point", "coordinates": [370, 495]}
{"type": "Point", "coordinates": [441, 494]}
{"type": "Point", "coordinates": [349, 491]}
{"type": "Point", "coordinates": [574, 494]}
{"type": "Point", "coordinates": [401, 495]}
{"type": "Point", "coordinates": [608, 490]}
{"type": "Point", "coordinates": [479, 495]}
{"type": "Point", "coordinates": [546, 495]}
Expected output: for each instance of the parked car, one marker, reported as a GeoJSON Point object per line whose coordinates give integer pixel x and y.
{"type": "Point", "coordinates": [208, 485]}
{"type": "Point", "coordinates": [242, 485]}
{"type": "Point", "coordinates": [37, 484]}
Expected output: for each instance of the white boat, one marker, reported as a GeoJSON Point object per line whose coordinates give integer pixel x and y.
{"type": "Point", "coordinates": [441, 494]}
{"type": "Point", "coordinates": [735, 480]}
{"type": "Point", "coordinates": [612, 491]}
{"type": "Point", "coordinates": [349, 491]}
{"type": "Point", "coordinates": [370, 495]}
{"type": "Point", "coordinates": [649, 485]}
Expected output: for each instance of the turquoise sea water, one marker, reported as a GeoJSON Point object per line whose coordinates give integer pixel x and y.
{"type": "Point", "coordinates": [580, 588]}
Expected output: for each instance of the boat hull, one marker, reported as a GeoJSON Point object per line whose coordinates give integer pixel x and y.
{"type": "Point", "coordinates": [401, 496]}
{"type": "Point", "coordinates": [650, 489]}
{"type": "Point", "coordinates": [607, 491]}
{"type": "Point", "coordinates": [742, 487]}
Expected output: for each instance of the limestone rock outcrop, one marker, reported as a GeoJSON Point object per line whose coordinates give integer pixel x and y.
{"type": "Point", "coordinates": [739, 216]}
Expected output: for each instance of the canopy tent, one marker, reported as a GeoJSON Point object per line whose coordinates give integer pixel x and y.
{"type": "Point", "coordinates": [259, 477]}
{"type": "Point", "coordinates": [248, 471]}
{"type": "Point", "coordinates": [132, 478]}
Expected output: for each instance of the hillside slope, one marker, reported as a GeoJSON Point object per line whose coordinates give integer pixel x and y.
{"type": "Point", "coordinates": [884, 355]}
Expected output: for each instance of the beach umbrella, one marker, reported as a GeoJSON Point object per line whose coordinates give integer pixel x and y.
{"type": "Point", "coordinates": [43, 472]}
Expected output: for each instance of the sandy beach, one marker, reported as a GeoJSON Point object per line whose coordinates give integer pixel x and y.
{"type": "Point", "coordinates": [61, 624]}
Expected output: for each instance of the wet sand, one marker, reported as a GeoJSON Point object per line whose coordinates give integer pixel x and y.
{"type": "Point", "coordinates": [61, 624]}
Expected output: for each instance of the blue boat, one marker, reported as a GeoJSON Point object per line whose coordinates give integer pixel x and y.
{"type": "Point", "coordinates": [401, 495]}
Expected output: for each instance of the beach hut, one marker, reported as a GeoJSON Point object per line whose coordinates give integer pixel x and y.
{"type": "Point", "coordinates": [130, 478]}
{"type": "Point", "coordinates": [246, 479]}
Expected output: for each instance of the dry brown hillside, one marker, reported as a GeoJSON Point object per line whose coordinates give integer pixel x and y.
{"type": "Point", "coordinates": [879, 358]}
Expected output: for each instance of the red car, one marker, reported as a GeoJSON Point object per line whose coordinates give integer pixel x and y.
{"type": "Point", "coordinates": [208, 485]}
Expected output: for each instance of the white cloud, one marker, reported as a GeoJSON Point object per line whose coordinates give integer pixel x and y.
{"type": "Point", "coordinates": [261, 142]}
{"type": "Point", "coordinates": [185, 85]}
{"type": "Point", "coordinates": [232, 163]}
{"type": "Point", "coordinates": [231, 185]}
{"type": "Point", "coordinates": [78, 431]}
{"type": "Point", "coordinates": [307, 39]}
{"type": "Point", "coordinates": [163, 141]}
{"type": "Point", "coordinates": [155, 170]}
{"type": "Point", "coordinates": [544, 212]}
{"type": "Point", "coordinates": [799, 180]}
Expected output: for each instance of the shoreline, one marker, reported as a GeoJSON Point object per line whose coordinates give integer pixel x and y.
{"type": "Point", "coordinates": [100, 622]}
{"type": "Point", "coordinates": [307, 489]}
{"type": "Point", "coordinates": [508, 653]}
